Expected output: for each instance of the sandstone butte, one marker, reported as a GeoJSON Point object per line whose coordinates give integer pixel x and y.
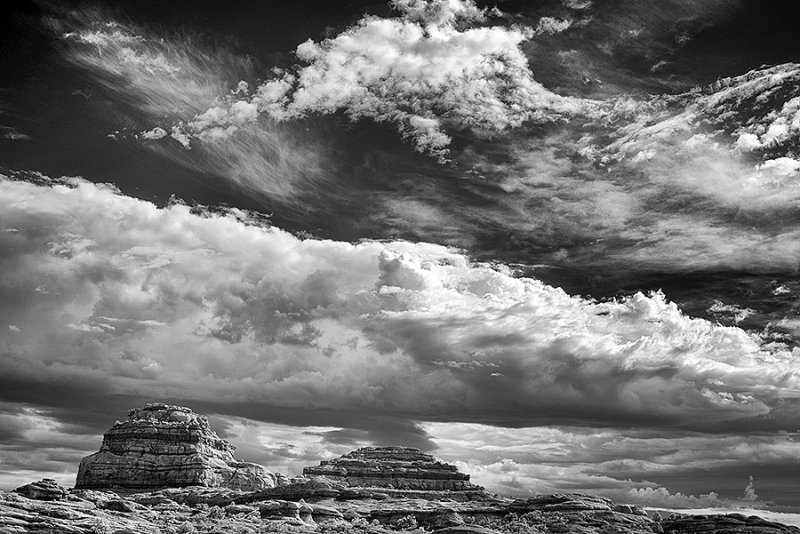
{"type": "Point", "coordinates": [163, 470]}
{"type": "Point", "coordinates": [162, 445]}
{"type": "Point", "coordinates": [402, 468]}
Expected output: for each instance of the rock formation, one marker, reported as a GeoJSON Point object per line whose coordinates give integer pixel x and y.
{"type": "Point", "coordinates": [402, 468]}
{"type": "Point", "coordinates": [46, 489]}
{"type": "Point", "coordinates": [174, 474]}
{"type": "Point", "coordinates": [162, 445]}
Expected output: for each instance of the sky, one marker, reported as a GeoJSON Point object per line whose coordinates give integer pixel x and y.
{"type": "Point", "coordinates": [555, 243]}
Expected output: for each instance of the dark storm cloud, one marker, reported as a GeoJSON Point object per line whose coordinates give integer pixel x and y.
{"type": "Point", "coordinates": [34, 443]}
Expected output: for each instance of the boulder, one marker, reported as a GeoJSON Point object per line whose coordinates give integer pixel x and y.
{"type": "Point", "coordinates": [46, 489]}
{"type": "Point", "coordinates": [161, 445]}
{"type": "Point", "coordinates": [563, 502]}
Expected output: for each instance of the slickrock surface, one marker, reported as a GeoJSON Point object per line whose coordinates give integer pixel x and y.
{"type": "Point", "coordinates": [403, 468]}
{"type": "Point", "coordinates": [163, 445]}
{"type": "Point", "coordinates": [46, 489]}
{"type": "Point", "coordinates": [217, 510]}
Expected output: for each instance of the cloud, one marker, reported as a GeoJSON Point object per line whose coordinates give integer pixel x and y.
{"type": "Point", "coordinates": [168, 76]}
{"type": "Point", "coordinates": [373, 342]}
{"type": "Point", "coordinates": [645, 183]}
{"type": "Point", "coordinates": [428, 72]}
{"type": "Point", "coordinates": [665, 186]}
{"type": "Point", "coordinates": [391, 328]}
{"type": "Point", "coordinates": [750, 491]}
{"type": "Point", "coordinates": [648, 467]}
{"type": "Point", "coordinates": [156, 81]}
{"type": "Point", "coordinates": [12, 134]}
{"type": "Point", "coordinates": [551, 25]}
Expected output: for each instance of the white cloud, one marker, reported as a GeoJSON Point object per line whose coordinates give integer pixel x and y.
{"type": "Point", "coordinates": [189, 86]}
{"type": "Point", "coordinates": [661, 496]}
{"type": "Point", "coordinates": [550, 25]}
{"type": "Point", "coordinates": [779, 167]}
{"type": "Point", "coordinates": [577, 4]}
{"type": "Point", "coordinates": [737, 313]}
{"type": "Point", "coordinates": [169, 76]}
{"type": "Point", "coordinates": [274, 320]}
{"type": "Point", "coordinates": [419, 71]}
{"type": "Point", "coordinates": [622, 464]}
{"type": "Point", "coordinates": [11, 133]}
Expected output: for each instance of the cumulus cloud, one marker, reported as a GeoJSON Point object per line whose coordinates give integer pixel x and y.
{"type": "Point", "coordinates": [397, 328]}
{"type": "Point", "coordinates": [428, 71]}
{"type": "Point", "coordinates": [551, 25]}
{"type": "Point", "coordinates": [12, 134]}
{"type": "Point", "coordinates": [34, 444]}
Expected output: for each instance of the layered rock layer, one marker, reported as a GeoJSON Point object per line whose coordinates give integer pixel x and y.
{"type": "Point", "coordinates": [161, 445]}
{"type": "Point", "coordinates": [402, 468]}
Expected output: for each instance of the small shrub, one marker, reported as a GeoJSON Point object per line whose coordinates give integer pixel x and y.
{"type": "Point", "coordinates": [408, 522]}
{"type": "Point", "coordinates": [99, 527]}
{"type": "Point", "coordinates": [215, 512]}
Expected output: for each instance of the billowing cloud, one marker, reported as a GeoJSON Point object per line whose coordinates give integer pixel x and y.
{"type": "Point", "coordinates": [428, 71]}
{"type": "Point", "coordinates": [110, 290]}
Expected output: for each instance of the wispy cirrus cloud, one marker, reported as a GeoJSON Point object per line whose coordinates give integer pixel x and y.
{"type": "Point", "coordinates": [158, 81]}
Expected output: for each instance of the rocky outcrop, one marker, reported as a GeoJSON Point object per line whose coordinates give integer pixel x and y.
{"type": "Point", "coordinates": [162, 445]}
{"type": "Point", "coordinates": [402, 468]}
{"type": "Point", "coordinates": [46, 489]}
{"type": "Point", "coordinates": [205, 509]}
{"type": "Point", "coordinates": [165, 470]}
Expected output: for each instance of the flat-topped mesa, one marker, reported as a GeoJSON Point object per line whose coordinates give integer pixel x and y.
{"type": "Point", "coordinates": [403, 468]}
{"type": "Point", "coordinates": [161, 445]}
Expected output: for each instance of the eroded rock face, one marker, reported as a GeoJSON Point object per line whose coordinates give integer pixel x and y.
{"type": "Point", "coordinates": [205, 509]}
{"type": "Point", "coordinates": [163, 445]}
{"type": "Point", "coordinates": [46, 489]}
{"type": "Point", "coordinates": [403, 468]}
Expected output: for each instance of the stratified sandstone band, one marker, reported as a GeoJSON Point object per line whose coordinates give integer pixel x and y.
{"type": "Point", "coordinates": [403, 468]}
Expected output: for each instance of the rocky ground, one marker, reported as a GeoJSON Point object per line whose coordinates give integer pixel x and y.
{"type": "Point", "coordinates": [328, 507]}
